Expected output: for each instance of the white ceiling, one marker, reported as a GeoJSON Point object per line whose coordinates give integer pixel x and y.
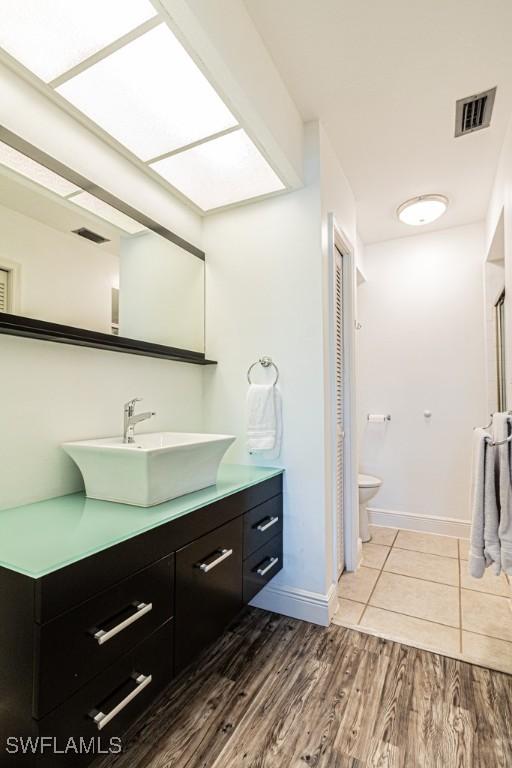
{"type": "Point", "coordinates": [383, 78]}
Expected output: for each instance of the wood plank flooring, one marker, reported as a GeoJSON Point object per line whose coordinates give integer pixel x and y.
{"type": "Point", "coordinates": [274, 692]}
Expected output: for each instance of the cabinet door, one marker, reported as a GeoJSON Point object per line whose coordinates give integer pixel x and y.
{"type": "Point", "coordinates": [208, 589]}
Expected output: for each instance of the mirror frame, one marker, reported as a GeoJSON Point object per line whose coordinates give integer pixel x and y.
{"type": "Point", "coordinates": [18, 325]}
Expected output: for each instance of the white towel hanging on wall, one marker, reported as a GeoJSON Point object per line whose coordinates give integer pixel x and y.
{"type": "Point", "coordinates": [261, 418]}
{"type": "Point", "coordinates": [264, 414]}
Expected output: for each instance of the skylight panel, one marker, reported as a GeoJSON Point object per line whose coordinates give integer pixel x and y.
{"type": "Point", "coordinates": [107, 212]}
{"type": "Point", "coordinates": [23, 165]}
{"type": "Point", "coordinates": [150, 96]}
{"type": "Point", "coordinates": [49, 38]}
{"type": "Point", "coordinates": [225, 170]}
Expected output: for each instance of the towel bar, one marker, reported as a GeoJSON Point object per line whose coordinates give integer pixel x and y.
{"type": "Point", "coordinates": [489, 439]}
{"type": "Point", "coordinates": [266, 362]}
{"type": "Point", "coordinates": [500, 442]}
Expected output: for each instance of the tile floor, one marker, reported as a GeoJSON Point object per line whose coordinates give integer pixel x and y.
{"type": "Point", "coordinates": [415, 588]}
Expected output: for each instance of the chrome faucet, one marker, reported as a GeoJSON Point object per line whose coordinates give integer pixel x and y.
{"type": "Point", "coordinates": [131, 419]}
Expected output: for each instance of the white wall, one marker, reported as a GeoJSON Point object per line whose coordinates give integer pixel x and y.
{"type": "Point", "coordinates": [264, 297]}
{"type": "Point", "coordinates": [337, 196]}
{"type": "Point", "coordinates": [422, 348]}
{"type": "Point", "coordinates": [52, 392]}
{"type": "Point", "coordinates": [63, 278]}
{"type": "Point", "coordinates": [265, 280]}
{"type": "Point", "coordinates": [161, 295]}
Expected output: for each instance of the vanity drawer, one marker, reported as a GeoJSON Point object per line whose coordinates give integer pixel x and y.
{"type": "Point", "coordinates": [121, 693]}
{"type": "Point", "coordinates": [262, 523]}
{"type": "Point", "coordinates": [208, 589]}
{"type": "Point", "coordinates": [77, 646]}
{"type": "Point", "coordinates": [262, 566]}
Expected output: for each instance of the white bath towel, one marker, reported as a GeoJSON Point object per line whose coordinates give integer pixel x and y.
{"type": "Point", "coordinates": [501, 430]}
{"type": "Point", "coordinates": [263, 417]}
{"type": "Point", "coordinates": [484, 509]}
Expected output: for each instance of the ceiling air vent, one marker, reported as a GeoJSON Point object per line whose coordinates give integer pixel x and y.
{"type": "Point", "coordinates": [90, 235]}
{"type": "Point", "coordinates": [474, 112]}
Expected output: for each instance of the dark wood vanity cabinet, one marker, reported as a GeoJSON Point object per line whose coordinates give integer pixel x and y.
{"type": "Point", "coordinates": [85, 649]}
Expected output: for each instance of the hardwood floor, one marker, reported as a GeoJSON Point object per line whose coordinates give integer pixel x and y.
{"type": "Point", "coordinates": [279, 693]}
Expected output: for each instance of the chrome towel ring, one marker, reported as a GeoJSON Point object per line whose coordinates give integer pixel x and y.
{"type": "Point", "coordinates": [266, 362]}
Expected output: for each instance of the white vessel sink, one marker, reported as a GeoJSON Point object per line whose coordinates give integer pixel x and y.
{"type": "Point", "coordinates": [155, 468]}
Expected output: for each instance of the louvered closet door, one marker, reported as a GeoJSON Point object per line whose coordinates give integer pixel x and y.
{"type": "Point", "coordinates": [3, 290]}
{"type": "Point", "coordinates": [340, 434]}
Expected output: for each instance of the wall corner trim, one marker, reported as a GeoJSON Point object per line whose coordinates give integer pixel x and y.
{"type": "Point", "coordinates": [314, 607]}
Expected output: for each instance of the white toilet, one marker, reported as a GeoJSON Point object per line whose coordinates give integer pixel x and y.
{"type": "Point", "coordinates": [368, 487]}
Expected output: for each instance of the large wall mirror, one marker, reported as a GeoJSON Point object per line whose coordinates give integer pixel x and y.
{"type": "Point", "coordinates": [69, 258]}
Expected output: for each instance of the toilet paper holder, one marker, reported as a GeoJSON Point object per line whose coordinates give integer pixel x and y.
{"type": "Point", "coordinates": [378, 417]}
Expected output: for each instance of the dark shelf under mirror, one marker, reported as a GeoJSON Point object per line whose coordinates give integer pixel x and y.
{"type": "Point", "coordinates": [16, 325]}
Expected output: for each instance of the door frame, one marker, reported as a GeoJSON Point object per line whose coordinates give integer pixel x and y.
{"type": "Point", "coordinates": [337, 239]}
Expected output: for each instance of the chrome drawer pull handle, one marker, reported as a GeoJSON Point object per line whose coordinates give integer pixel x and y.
{"type": "Point", "coordinates": [102, 636]}
{"type": "Point", "coordinates": [224, 554]}
{"type": "Point", "coordinates": [273, 561]}
{"type": "Point", "coordinates": [101, 719]}
{"type": "Point", "coordinates": [264, 526]}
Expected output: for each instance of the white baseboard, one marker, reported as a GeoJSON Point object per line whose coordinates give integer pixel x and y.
{"type": "Point", "coordinates": [298, 603]}
{"type": "Point", "coordinates": [412, 521]}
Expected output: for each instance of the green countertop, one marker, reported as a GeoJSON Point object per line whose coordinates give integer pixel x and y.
{"type": "Point", "coordinates": [39, 538]}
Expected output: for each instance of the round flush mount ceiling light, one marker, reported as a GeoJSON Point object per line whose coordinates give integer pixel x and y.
{"type": "Point", "coordinates": [422, 210]}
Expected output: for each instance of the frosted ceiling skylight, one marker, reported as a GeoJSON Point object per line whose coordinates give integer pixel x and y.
{"type": "Point", "coordinates": [121, 66]}
{"type": "Point", "coordinates": [23, 165]}
{"type": "Point", "coordinates": [107, 212]}
{"type": "Point", "coordinates": [51, 36]}
{"type": "Point", "coordinates": [219, 172]}
{"type": "Point", "coordinates": [150, 96]}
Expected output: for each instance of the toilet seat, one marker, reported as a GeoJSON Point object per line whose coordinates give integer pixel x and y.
{"type": "Point", "coordinates": [368, 481]}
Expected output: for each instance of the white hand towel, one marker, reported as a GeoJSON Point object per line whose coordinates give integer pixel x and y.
{"type": "Point", "coordinates": [262, 418]}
